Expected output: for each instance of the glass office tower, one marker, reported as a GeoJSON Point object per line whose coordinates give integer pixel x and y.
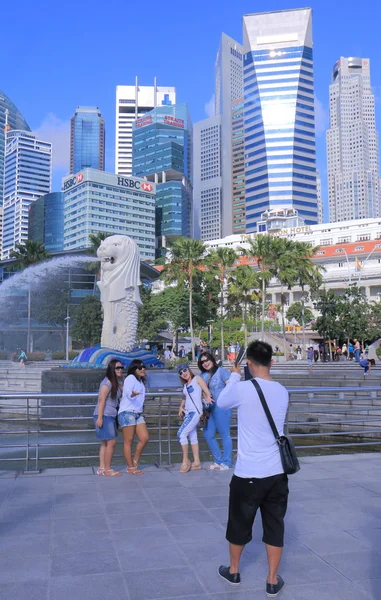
{"type": "Point", "coordinates": [279, 129]}
{"type": "Point", "coordinates": [8, 113]}
{"type": "Point", "coordinates": [87, 140]}
{"type": "Point", "coordinates": [162, 153]}
{"type": "Point", "coordinates": [46, 221]}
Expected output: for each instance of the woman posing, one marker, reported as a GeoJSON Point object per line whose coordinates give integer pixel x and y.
{"type": "Point", "coordinates": [130, 415]}
{"type": "Point", "coordinates": [216, 378]}
{"type": "Point", "coordinates": [110, 392]}
{"type": "Point", "coordinates": [191, 409]}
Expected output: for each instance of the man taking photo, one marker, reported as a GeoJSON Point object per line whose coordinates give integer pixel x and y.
{"type": "Point", "coordinates": [259, 480]}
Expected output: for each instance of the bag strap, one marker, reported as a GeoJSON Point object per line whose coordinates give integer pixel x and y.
{"type": "Point", "coordinates": [266, 408]}
{"type": "Point", "coordinates": [194, 404]}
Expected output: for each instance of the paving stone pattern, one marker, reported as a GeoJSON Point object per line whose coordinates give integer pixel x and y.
{"type": "Point", "coordinates": [69, 534]}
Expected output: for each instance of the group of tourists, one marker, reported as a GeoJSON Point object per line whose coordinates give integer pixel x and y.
{"type": "Point", "coordinates": [259, 480]}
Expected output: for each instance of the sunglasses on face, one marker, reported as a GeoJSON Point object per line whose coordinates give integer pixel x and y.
{"type": "Point", "coordinates": [183, 371]}
{"type": "Point", "coordinates": [119, 368]}
{"type": "Point", "coordinates": [141, 368]}
{"type": "Point", "coordinates": [205, 361]}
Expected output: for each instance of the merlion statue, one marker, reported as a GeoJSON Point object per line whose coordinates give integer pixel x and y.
{"type": "Point", "coordinates": [119, 287]}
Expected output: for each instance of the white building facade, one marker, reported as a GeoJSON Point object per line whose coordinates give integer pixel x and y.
{"type": "Point", "coordinates": [132, 102]}
{"type": "Point", "coordinates": [207, 191]}
{"type": "Point", "coordinates": [96, 201]}
{"type": "Point", "coordinates": [350, 251]}
{"type": "Point", "coordinates": [320, 201]}
{"type": "Point", "coordinates": [280, 152]}
{"type": "Point", "coordinates": [27, 176]}
{"type": "Point", "coordinates": [352, 143]}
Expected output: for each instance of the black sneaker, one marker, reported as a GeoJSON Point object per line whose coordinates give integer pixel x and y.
{"type": "Point", "coordinates": [273, 589]}
{"type": "Point", "coordinates": [232, 578]}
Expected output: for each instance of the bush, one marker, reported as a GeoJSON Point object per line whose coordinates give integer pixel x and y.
{"type": "Point", "coordinates": [278, 354]}
{"type": "Point", "coordinates": [4, 355]}
{"type": "Point", "coordinates": [378, 353]}
{"type": "Point", "coordinates": [62, 355]}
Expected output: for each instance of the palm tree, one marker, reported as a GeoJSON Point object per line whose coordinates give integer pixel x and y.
{"type": "Point", "coordinates": [25, 255]}
{"type": "Point", "coordinates": [96, 239]}
{"type": "Point", "coordinates": [262, 249]}
{"type": "Point", "coordinates": [219, 261]}
{"type": "Point", "coordinates": [243, 282]}
{"type": "Point", "coordinates": [186, 260]}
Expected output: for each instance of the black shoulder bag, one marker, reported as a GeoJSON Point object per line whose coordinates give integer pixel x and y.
{"type": "Point", "coordinates": [286, 446]}
{"type": "Point", "coordinates": [204, 416]}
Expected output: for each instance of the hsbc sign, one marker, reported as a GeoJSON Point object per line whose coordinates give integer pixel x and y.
{"type": "Point", "coordinates": [127, 182]}
{"type": "Point", "coordinates": [134, 184]}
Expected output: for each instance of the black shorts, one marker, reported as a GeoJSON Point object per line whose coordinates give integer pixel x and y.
{"type": "Point", "coordinates": [246, 496]}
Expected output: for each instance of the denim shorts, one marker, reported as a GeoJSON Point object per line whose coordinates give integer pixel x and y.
{"type": "Point", "coordinates": [128, 418]}
{"type": "Point", "coordinates": [108, 431]}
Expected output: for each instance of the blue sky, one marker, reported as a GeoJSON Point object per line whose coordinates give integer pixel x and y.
{"type": "Point", "coordinates": [58, 56]}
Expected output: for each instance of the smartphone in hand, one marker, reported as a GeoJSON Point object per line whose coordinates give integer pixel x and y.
{"type": "Point", "coordinates": [240, 357]}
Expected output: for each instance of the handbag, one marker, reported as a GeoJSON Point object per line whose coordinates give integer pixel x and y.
{"type": "Point", "coordinates": [286, 446]}
{"type": "Point", "coordinates": [204, 416]}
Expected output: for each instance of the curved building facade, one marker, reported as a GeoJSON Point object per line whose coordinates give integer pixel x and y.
{"type": "Point", "coordinates": [46, 221]}
{"type": "Point", "coordinates": [15, 121]}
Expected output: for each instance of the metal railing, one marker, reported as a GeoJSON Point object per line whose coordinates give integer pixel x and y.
{"type": "Point", "coordinates": [41, 429]}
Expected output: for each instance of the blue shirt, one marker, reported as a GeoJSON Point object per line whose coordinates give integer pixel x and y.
{"type": "Point", "coordinates": [217, 383]}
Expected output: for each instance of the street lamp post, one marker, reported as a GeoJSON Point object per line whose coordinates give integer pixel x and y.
{"type": "Point", "coordinates": [365, 261]}
{"type": "Point", "coordinates": [349, 270]}
{"type": "Point", "coordinates": [67, 319]}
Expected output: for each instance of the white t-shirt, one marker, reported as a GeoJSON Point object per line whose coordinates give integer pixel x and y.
{"type": "Point", "coordinates": [135, 403]}
{"type": "Point", "coordinates": [193, 389]}
{"type": "Point", "coordinates": [167, 354]}
{"type": "Point", "coordinates": [258, 451]}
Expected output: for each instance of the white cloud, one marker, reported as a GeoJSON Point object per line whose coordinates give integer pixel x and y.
{"type": "Point", "coordinates": [209, 107]}
{"type": "Point", "coordinates": [55, 130]}
{"type": "Point", "coordinates": [321, 118]}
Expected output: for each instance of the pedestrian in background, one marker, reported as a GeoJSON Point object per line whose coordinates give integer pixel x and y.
{"type": "Point", "coordinates": [310, 356]}
{"type": "Point", "coordinates": [357, 351]}
{"type": "Point", "coordinates": [259, 480]}
{"type": "Point", "coordinates": [105, 412]}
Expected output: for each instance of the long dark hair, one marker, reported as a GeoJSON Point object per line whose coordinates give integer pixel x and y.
{"type": "Point", "coordinates": [134, 366]}
{"type": "Point", "coordinates": [183, 381]}
{"type": "Point", "coordinates": [210, 357]}
{"type": "Point", "coordinates": [112, 377]}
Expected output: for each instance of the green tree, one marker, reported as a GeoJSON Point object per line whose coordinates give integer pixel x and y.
{"type": "Point", "coordinates": [24, 255]}
{"type": "Point", "coordinates": [88, 319]}
{"type": "Point", "coordinates": [261, 248]}
{"type": "Point", "coordinates": [219, 262]}
{"type": "Point", "coordinates": [354, 314]}
{"type": "Point", "coordinates": [95, 240]}
{"type": "Point", "coordinates": [243, 290]}
{"type": "Point", "coordinates": [327, 324]}
{"type": "Point", "coordinates": [186, 259]}
{"type": "Point", "coordinates": [296, 312]}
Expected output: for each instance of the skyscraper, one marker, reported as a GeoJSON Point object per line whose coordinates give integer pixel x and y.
{"type": "Point", "coordinates": [11, 115]}
{"type": "Point", "coordinates": [228, 89]}
{"type": "Point", "coordinates": [46, 221]}
{"type": "Point", "coordinates": [132, 102]}
{"type": "Point", "coordinates": [27, 176]}
{"type": "Point", "coordinates": [162, 153]}
{"type": "Point", "coordinates": [207, 192]}
{"type": "Point", "coordinates": [238, 167]}
{"type": "Point", "coordinates": [87, 139]}
{"type": "Point", "coordinates": [280, 153]}
{"type": "Point", "coordinates": [320, 203]}
{"type": "Point", "coordinates": [352, 143]}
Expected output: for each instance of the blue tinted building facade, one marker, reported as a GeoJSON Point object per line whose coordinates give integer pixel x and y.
{"type": "Point", "coordinates": [162, 153]}
{"type": "Point", "coordinates": [279, 120]}
{"type": "Point", "coordinates": [8, 113]}
{"type": "Point", "coordinates": [46, 221]}
{"type": "Point", "coordinates": [87, 140]}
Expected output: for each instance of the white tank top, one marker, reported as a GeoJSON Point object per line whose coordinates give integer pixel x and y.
{"type": "Point", "coordinates": [193, 391]}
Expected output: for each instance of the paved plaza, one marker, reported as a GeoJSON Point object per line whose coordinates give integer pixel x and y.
{"type": "Point", "coordinates": [67, 534]}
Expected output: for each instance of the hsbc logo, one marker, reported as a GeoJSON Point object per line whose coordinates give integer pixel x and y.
{"type": "Point", "coordinates": [79, 177]}
{"type": "Point", "coordinates": [147, 187]}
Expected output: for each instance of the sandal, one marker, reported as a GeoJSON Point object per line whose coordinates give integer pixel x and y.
{"type": "Point", "coordinates": [134, 471]}
{"type": "Point", "coordinates": [111, 473]}
{"type": "Point", "coordinates": [214, 467]}
{"type": "Point", "coordinates": [185, 468]}
{"type": "Point", "coordinates": [100, 471]}
{"type": "Point", "coordinates": [195, 467]}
